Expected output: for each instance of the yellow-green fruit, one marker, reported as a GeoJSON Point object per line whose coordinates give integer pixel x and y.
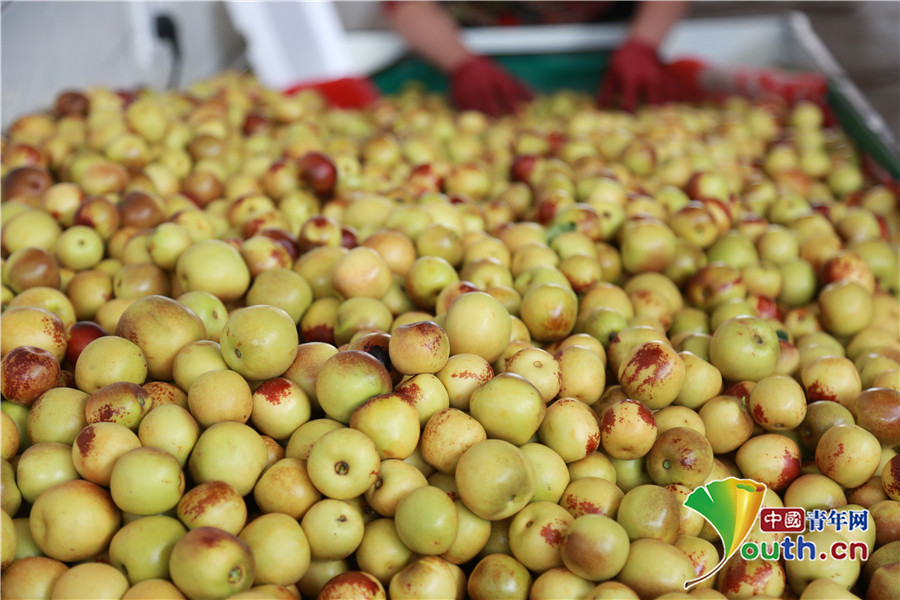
{"type": "Point", "coordinates": [347, 379]}
{"type": "Point", "coordinates": [211, 563]}
{"type": "Point", "coordinates": [90, 580]}
{"type": "Point", "coordinates": [652, 373]}
{"type": "Point", "coordinates": [8, 540]}
{"type": "Point", "coordinates": [259, 342]}
{"type": "Point", "coordinates": [343, 464]}
{"type": "Point", "coordinates": [671, 568]}
{"type": "Point", "coordinates": [282, 288]}
{"type": "Point", "coordinates": [141, 548]}
{"type": "Point", "coordinates": [74, 520]}
{"type": "Point", "coordinates": [230, 452]}
{"type": "Point", "coordinates": [507, 467]}
{"type": "Point", "coordinates": [595, 547]}
{"type": "Point", "coordinates": [549, 310]}
{"type": "Point", "coordinates": [477, 323]}
{"type": "Point", "coordinates": [109, 359]}
{"type": "Point", "coordinates": [391, 422]}
{"type": "Point", "coordinates": [334, 529]}
{"type": "Point", "coordinates": [31, 577]}
{"type": "Point", "coordinates": [421, 347]}
{"type": "Point", "coordinates": [146, 481]}
{"type": "Point", "coordinates": [427, 520]}
{"type": "Point", "coordinates": [427, 577]}
{"type": "Point", "coordinates": [153, 589]}
{"type": "Point", "coordinates": [509, 408]}
{"type": "Point", "coordinates": [279, 547]}
{"type": "Point", "coordinates": [160, 327]}
{"type": "Point", "coordinates": [215, 267]}
{"type": "Point", "coordinates": [381, 552]}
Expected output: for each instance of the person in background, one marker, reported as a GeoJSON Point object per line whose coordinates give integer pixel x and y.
{"type": "Point", "coordinates": [635, 72]}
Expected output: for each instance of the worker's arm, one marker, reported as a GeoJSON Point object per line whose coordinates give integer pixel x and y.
{"type": "Point", "coordinates": [635, 72]}
{"type": "Point", "coordinates": [653, 20]}
{"type": "Point", "coordinates": [430, 32]}
{"type": "Point", "coordinates": [476, 82]}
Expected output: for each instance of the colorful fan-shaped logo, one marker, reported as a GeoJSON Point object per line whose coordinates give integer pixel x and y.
{"type": "Point", "coordinates": [731, 507]}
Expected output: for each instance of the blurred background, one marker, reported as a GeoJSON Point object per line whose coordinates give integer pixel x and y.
{"type": "Point", "coordinates": [863, 37]}
{"type": "Point", "coordinates": [49, 46]}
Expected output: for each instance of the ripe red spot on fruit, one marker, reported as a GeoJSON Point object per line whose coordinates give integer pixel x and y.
{"type": "Point", "coordinates": [27, 372]}
{"type": "Point", "coordinates": [53, 328]}
{"type": "Point", "coordinates": [210, 536]}
{"type": "Point", "coordinates": [584, 507]}
{"type": "Point", "coordinates": [275, 391]}
{"type": "Point", "coordinates": [789, 471]}
{"type": "Point", "coordinates": [817, 391]}
{"type": "Point", "coordinates": [740, 390]}
{"type": "Point", "coordinates": [350, 584]}
{"type": "Point", "coordinates": [737, 576]}
{"type": "Point", "coordinates": [546, 210]}
{"type": "Point", "coordinates": [207, 496]}
{"type": "Point", "coordinates": [839, 451]}
{"type": "Point", "coordinates": [767, 308]}
{"type": "Point", "coordinates": [85, 440]}
{"type": "Point", "coordinates": [593, 441]}
{"type": "Point", "coordinates": [319, 333]}
{"type": "Point", "coordinates": [433, 344]}
{"type": "Point", "coordinates": [608, 422]}
{"type": "Point", "coordinates": [557, 320]}
{"type": "Point", "coordinates": [279, 254]}
{"type": "Point", "coordinates": [521, 168]}
{"type": "Point", "coordinates": [67, 379]}
{"type": "Point", "coordinates": [553, 537]}
{"type": "Point", "coordinates": [556, 140]}
{"type": "Point", "coordinates": [892, 485]}
{"type": "Point", "coordinates": [645, 414]}
{"type": "Point", "coordinates": [107, 413]}
{"type": "Point", "coordinates": [319, 172]}
{"type": "Point", "coordinates": [411, 392]}
{"type": "Point", "coordinates": [159, 393]}
{"type": "Point", "coordinates": [348, 238]}
{"type": "Point", "coordinates": [696, 559]}
{"type": "Point", "coordinates": [465, 374]}
{"type": "Point", "coordinates": [688, 459]}
{"type": "Point", "coordinates": [759, 414]}
{"type": "Point", "coordinates": [649, 357]}
{"type": "Point", "coordinates": [727, 284]}
{"type": "Point", "coordinates": [254, 123]}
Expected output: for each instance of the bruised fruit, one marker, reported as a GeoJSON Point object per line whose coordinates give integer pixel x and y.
{"type": "Point", "coordinates": [27, 372]}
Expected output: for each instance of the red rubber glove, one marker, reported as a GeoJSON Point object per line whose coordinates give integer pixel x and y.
{"type": "Point", "coordinates": [482, 84]}
{"type": "Point", "coordinates": [635, 73]}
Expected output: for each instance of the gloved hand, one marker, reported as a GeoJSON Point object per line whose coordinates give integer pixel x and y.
{"type": "Point", "coordinates": [635, 73]}
{"type": "Point", "coordinates": [481, 84]}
